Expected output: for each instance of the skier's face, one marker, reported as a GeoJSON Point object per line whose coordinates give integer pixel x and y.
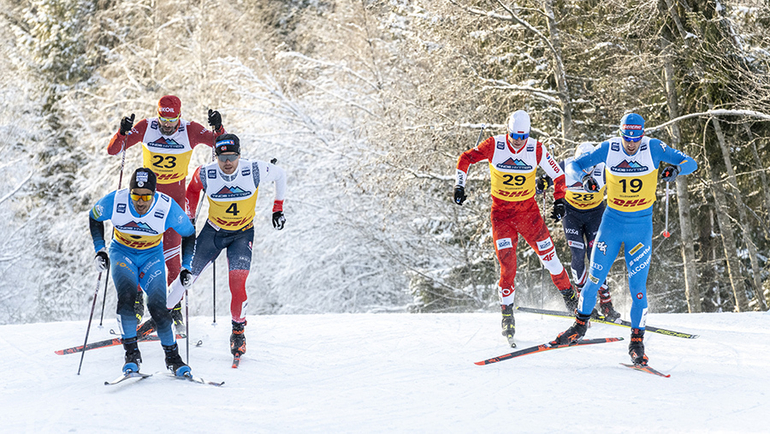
{"type": "Point", "coordinates": [168, 126]}
{"type": "Point", "coordinates": [228, 162]}
{"type": "Point", "coordinates": [631, 147]}
{"type": "Point", "coordinates": [142, 199]}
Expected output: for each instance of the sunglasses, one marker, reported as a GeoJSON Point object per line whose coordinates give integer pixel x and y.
{"type": "Point", "coordinates": [227, 157]}
{"type": "Point", "coordinates": [515, 136]}
{"type": "Point", "coordinates": [632, 139]}
{"type": "Point", "coordinates": [142, 197]}
{"type": "Point", "coordinates": [169, 120]}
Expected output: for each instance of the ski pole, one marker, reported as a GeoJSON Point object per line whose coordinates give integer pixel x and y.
{"type": "Point", "coordinates": [120, 182]}
{"type": "Point", "coordinates": [90, 317]}
{"type": "Point", "coordinates": [187, 325]}
{"type": "Point", "coordinates": [666, 233]}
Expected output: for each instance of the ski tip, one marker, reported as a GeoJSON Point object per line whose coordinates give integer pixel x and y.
{"type": "Point", "coordinates": [479, 363]}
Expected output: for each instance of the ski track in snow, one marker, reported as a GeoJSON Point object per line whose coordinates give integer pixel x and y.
{"type": "Point", "coordinates": [395, 373]}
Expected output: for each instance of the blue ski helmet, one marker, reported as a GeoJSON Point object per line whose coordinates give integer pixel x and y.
{"type": "Point", "coordinates": [632, 126]}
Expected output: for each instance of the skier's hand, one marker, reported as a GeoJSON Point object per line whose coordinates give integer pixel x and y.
{"type": "Point", "coordinates": [669, 173]}
{"type": "Point", "coordinates": [590, 184]}
{"type": "Point", "coordinates": [215, 120]}
{"type": "Point", "coordinates": [542, 183]}
{"type": "Point", "coordinates": [126, 124]}
{"type": "Point", "coordinates": [278, 220]}
{"type": "Point", "coordinates": [460, 194]}
{"type": "Point", "coordinates": [185, 278]}
{"type": "Point", "coordinates": [559, 209]}
{"type": "Point", "coordinates": [101, 261]}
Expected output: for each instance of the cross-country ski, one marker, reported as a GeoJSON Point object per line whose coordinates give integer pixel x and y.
{"type": "Point", "coordinates": [545, 347]}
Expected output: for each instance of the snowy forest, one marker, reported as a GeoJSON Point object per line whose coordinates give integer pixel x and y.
{"type": "Point", "coordinates": [367, 105]}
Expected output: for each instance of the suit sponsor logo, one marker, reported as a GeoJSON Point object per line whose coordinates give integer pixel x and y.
{"type": "Point", "coordinates": [121, 208]}
{"type": "Point", "coordinates": [629, 167]}
{"type": "Point", "coordinates": [630, 203]}
{"type": "Point", "coordinates": [137, 227]}
{"type": "Point", "coordinates": [511, 164]}
{"type": "Point", "coordinates": [230, 193]}
{"type": "Point", "coordinates": [211, 174]}
{"type": "Point", "coordinates": [602, 247]}
{"type": "Point", "coordinates": [165, 143]}
{"type": "Point", "coordinates": [504, 243]}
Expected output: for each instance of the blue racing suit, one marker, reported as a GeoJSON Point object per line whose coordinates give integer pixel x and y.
{"type": "Point", "coordinates": [631, 185]}
{"type": "Point", "coordinates": [136, 254]}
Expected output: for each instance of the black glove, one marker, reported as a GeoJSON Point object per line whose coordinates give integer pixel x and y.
{"type": "Point", "coordinates": [101, 261]}
{"type": "Point", "coordinates": [590, 184]}
{"type": "Point", "coordinates": [215, 120]}
{"type": "Point", "coordinates": [542, 183]}
{"type": "Point", "coordinates": [126, 124]}
{"type": "Point", "coordinates": [460, 194]}
{"type": "Point", "coordinates": [559, 209]}
{"type": "Point", "coordinates": [278, 220]}
{"type": "Point", "coordinates": [185, 278]}
{"type": "Point", "coordinates": [669, 173]}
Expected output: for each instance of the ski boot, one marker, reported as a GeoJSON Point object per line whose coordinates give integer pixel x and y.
{"type": "Point", "coordinates": [509, 324]}
{"type": "Point", "coordinates": [636, 348]}
{"type": "Point", "coordinates": [139, 306]}
{"type": "Point", "coordinates": [133, 356]}
{"type": "Point", "coordinates": [238, 339]}
{"type": "Point", "coordinates": [570, 299]}
{"type": "Point", "coordinates": [605, 303]}
{"type": "Point", "coordinates": [174, 361]}
{"type": "Point", "coordinates": [575, 332]}
{"type": "Point", "coordinates": [177, 317]}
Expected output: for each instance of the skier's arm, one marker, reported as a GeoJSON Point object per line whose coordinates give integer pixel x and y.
{"type": "Point", "coordinates": [552, 169]}
{"type": "Point", "coordinates": [578, 167]}
{"type": "Point", "coordinates": [133, 137]}
{"type": "Point", "coordinates": [192, 195]}
{"type": "Point", "coordinates": [178, 221]}
{"type": "Point", "coordinates": [662, 152]}
{"type": "Point", "coordinates": [96, 216]}
{"type": "Point", "coordinates": [484, 151]}
{"type": "Point", "coordinates": [198, 134]}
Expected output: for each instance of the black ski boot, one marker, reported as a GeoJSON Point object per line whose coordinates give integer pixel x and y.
{"type": "Point", "coordinates": [636, 347]}
{"type": "Point", "coordinates": [133, 356]}
{"type": "Point", "coordinates": [574, 333]}
{"type": "Point", "coordinates": [174, 361]}
{"type": "Point", "coordinates": [509, 324]}
{"type": "Point", "coordinates": [238, 339]}
{"type": "Point", "coordinates": [605, 303]}
{"type": "Point", "coordinates": [570, 299]}
{"type": "Point", "coordinates": [139, 306]}
{"type": "Point", "coordinates": [177, 317]}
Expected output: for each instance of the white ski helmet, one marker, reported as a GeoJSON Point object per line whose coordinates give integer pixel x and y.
{"type": "Point", "coordinates": [583, 148]}
{"type": "Point", "coordinates": [518, 125]}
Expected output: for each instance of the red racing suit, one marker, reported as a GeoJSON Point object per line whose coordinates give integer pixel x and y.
{"type": "Point", "coordinates": [514, 208]}
{"type": "Point", "coordinates": [169, 157]}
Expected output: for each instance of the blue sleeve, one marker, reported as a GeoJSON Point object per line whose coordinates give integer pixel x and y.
{"type": "Point", "coordinates": [662, 152]}
{"type": "Point", "coordinates": [100, 212]}
{"type": "Point", "coordinates": [577, 167]}
{"type": "Point", "coordinates": [178, 221]}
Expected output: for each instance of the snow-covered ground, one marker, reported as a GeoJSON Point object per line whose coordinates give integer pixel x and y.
{"type": "Point", "coordinates": [395, 373]}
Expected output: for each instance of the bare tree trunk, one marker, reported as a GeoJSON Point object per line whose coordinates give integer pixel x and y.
{"type": "Point", "coordinates": [691, 288]}
{"type": "Point", "coordinates": [561, 77]}
{"type": "Point", "coordinates": [728, 242]}
{"type": "Point", "coordinates": [742, 216]}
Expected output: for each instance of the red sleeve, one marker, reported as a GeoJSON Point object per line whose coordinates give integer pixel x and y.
{"type": "Point", "coordinates": [198, 134]}
{"type": "Point", "coordinates": [484, 151]}
{"type": "Point", "coordinates": [553, 170]}
{"type": "Point", "coordinates": [193, 194]}
{"type": "Point", "coordinates": [133, 137]}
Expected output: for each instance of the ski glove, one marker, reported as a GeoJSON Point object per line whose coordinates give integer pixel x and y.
{"type": "Point", "coordinates": [669, 173]}
{"type": "Point", "coordinates": [215, 119]}
{"type": "Point", "coordinates": [126, 124]}
{"type": "Point", "coordinates": [278, 220]}
{"type": "Point", "coordinates": [185, 278]}
{"type": "Point", "coordinates": [460, 194]}
{"type": "Point", "coordinates": [101, 261]}
{"type": "Point", "coordinates": [590, 184]}
{"type": "Point", "coordinates": [559, 209]}
{"type": "Point", "coordinates": [542, 183]}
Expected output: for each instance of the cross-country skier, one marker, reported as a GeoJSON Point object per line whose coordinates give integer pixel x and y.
{"type": "Point", "coordinates": [140, 217]}
{"type": "Point", "coordinates": [631, 166]}
{"type": "Point", "coordinates": [231, 185]}
{"type": "Point", "coordinates": [513, 161]}
{"type": "Point", "coordinates": [168, 146]}
{"type": "Point", "coordinates": [585, 206]}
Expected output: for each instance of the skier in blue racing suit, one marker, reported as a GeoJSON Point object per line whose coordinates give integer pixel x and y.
{"type": "Point", "coordinates": [631, 167]}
